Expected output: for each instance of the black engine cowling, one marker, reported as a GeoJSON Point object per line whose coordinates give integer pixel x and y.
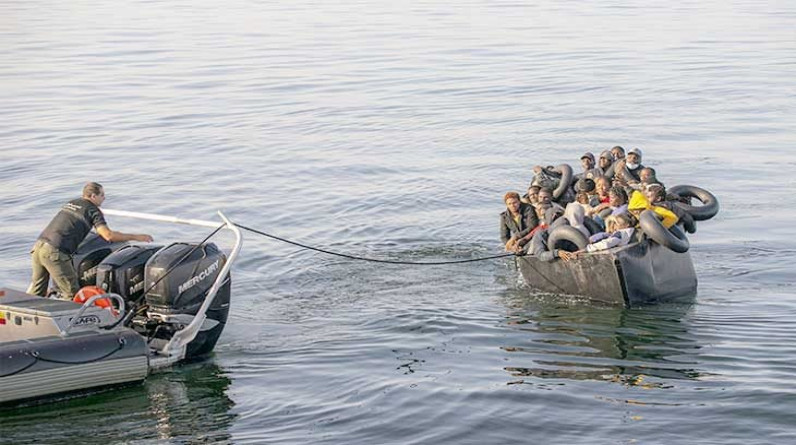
{"type": "Point", "coordinates": [122, 272]}
{"type": "Point", "coordinates": [183, 279]}
{"type": "Point", "coordinates": [89, 255]}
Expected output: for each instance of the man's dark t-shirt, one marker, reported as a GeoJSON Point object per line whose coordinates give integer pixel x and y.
{"type": "Point", "coordinates": [71, 225]}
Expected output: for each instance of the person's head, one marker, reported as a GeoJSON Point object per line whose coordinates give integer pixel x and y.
{"type": "Point", "coordinates": [533, 194]}
{"type": "Point", "coordinates": [617, 196]}
{"type": "Point", "coordinates": [655, 192]}
{"type": "Point", "coordinates": [610, 223]}
{"type": "Point", "coordinates": [623, 221]}
{"type": "Point", "coordinates": [582, 197]}
{"type": "Point", "coordinates": [602, 185]}
{"type": "Point", "coordinates": [647, 175]}
{"type": "Point", "coordinates": [606, 159]}
{"type": "Point", "coordinates": [618, 152]}
{"type": "Point", "coordinates": [94, 192]}
{"type": "Point", "coordinates": [585, 185]}
{"type": "Point", "coordinates": [633, 158]}
{"type": "Point", "coordinates": [512, 200]}
{"type": "Point", "coordinates": [587, 161]}
{"type": "Point", "coordinates": [545, 196]}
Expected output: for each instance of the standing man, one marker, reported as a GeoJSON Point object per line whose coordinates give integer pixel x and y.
{"type": "Point", "coordinates": [52, 253]}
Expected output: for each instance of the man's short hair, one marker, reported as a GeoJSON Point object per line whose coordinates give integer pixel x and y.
{"type": "Point", "coordinates": [92, 188]}
{"type": "Point", "coordinates": [508, 195]}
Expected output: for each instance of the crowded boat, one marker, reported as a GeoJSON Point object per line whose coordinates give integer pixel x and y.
{"type": "Point", "coordinates": [614, 202]}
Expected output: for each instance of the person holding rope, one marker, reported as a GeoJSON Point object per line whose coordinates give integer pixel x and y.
{"type": "Point", "coordinates": [52, 253]}
{"type": "Point", "coordinates": [516, 221]}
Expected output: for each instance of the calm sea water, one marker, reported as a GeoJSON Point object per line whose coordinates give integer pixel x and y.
{"type": "Point", "coordinates": [392, 129]}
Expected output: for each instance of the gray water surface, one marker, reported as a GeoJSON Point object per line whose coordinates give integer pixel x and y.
{"type": "Point", "coordinates": [392, 130]}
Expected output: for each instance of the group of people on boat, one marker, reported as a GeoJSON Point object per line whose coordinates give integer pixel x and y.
{"type": "Point", "coordinates": [603, 201]}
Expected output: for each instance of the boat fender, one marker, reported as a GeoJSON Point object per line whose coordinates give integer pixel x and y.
{"type": "Point", "coordinates": [673, 239]}
{"type": "Point", "coordinates": [709, 207]}
{"type": "Point", "coordinates": [566, 180]}
{"type": "Point", "coordinates": [561, 234]}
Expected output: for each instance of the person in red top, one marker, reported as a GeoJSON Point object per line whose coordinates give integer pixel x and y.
{"type": "Point", "coordinates": [52, 253]}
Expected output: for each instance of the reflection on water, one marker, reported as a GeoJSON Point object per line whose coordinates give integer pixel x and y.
{"type": "Point", "coordinates": [186, 404]}
{"type": "Point", "coordinates": [583, 342]}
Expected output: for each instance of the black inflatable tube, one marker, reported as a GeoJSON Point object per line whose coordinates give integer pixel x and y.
{"type": "Point", "coordinates": [688, 223]}
{"type": "Point", "coordinates": [709, 207]}
{"type": "Point", "coordinates": [673, 239]}
{"type": "Point", "coordinates": [592, 225]}
{"type": "Point", "coordinates": [566, 233]}
{"type": "Point", "coordinates": [566, 180]}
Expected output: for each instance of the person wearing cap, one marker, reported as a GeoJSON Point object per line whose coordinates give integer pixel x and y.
{"type": "Point", "coordinates": [605, 165]}
{"type": "Point", "coordinates": [587, 162]}
{"type": "Point", "coordinates": [52, 253]}
{"type": "Point", "coordinates": [627, 171]}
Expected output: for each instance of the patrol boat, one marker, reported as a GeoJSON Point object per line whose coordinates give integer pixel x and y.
{"type": "Point", "coordinates": [170, 304]}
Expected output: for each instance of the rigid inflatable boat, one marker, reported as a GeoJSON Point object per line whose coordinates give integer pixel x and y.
{"type": "Point", "coordinates": [170, 304]}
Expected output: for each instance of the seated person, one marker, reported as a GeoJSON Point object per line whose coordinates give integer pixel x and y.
{"type": "Point", "coordinates": [605, 166]}
{"type": "Point", "coordinates": [516, 221]}
{"type": "Point", "coordinates": [588, 187]}
{"type": "Point", "coordinates": [539, 237]}
{"type": "Point", "coordinates": [575, 213]}
{"type": "Point", "coordinates": [546, 202]}
{"type": "Point", "coordinates": [638, 203]}
{"type": "Point", "coordinates": [626, 173]}
{"type": "Point", "coordinates": [602, 185]}
{"type": "Point", "coordinates": [647, 176]}
{"type": "Point", "coordinates": [617, 202]}
{"type": "Point", "coordinates": [618, 153]}
{"type": "Point", "coordinates": [656, 195]}
{"type": "Point", "coordinates": [532, 197]}
{"type": "Point", "coordinates": [620, 229]}
{"type": "Point", "coordinates": [587, 162]}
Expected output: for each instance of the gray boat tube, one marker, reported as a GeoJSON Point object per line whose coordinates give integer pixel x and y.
{"type": "Point", "coordinates": [566, 179]}
{"type": "Point", "coordinates": [565, 232]}
{"type": "Point", "coordinates": [709, 207]}
{"type": "Point", "coordinates": [673, 238]}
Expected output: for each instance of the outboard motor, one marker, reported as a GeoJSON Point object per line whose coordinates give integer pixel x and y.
{"type": "Point", "coordinates": [89, 254]}
{"type": "Point", "coordinates": [122, 272]}
{"type": "Point", "coordinates": [175, 299]}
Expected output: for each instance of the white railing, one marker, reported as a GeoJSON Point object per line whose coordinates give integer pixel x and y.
{"type": "Point", "coordinates": [174, 350]}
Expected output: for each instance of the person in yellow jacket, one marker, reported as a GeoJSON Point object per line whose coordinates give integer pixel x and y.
{"type": "Point", "coordinates": [638, 203]}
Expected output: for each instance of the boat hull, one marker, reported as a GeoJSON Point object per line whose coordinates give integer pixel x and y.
{"type": "Point", "coordinates": [634, 275]}
{"type": "Point", "coordinates": [48, 366]}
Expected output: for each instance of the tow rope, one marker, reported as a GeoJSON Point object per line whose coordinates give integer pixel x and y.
{"type": "Point", "coordinates": [372, 260]}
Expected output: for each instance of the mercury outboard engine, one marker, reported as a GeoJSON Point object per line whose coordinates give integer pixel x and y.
{"type": "Point", "coordinates": [122, 272]}
{"type": "Point", "coordinates": [89, 254]}
{"type": "Point", "coordinates": [176, 298]}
